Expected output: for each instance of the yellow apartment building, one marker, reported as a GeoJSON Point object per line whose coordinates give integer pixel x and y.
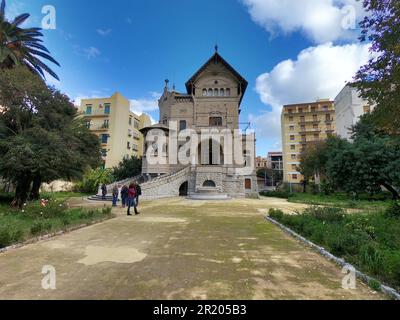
{"type": "Point", "coordinates": [301, 124]}
{"type": "Point", "coordinates": [116, 126]}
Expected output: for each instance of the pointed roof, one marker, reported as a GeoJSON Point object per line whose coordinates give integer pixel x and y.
{"type": "Point", "coordinates": [217, 58]}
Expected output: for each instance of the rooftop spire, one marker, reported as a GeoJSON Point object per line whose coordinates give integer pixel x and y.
{"type": "Point", "coordinates": [216, 48]}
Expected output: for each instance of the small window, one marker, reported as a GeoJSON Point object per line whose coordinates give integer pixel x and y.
{"type": "Point", "coordinates": [204, 92]}
{"type": "Point", "coordinates": [136, 124]}
{"type": "Point", "coordinates": [291, 119]}
{"type": "Point", "coordinates": [216, 92]}
{"type": "Point", "coordinates": [300, 110]}
{"type": "Point", "coordinates": [294, 167]}
{"type": "Point", "coordinates": [107, 108]}
{"type": "Point", "coordinates": [315, 127]}
{"type": "Point", "coordinates": [367, 109]}
{"type": "Point", "coordinates": [130, 121]}
{"type": "Point", "coordinates": [210, 92]}
{"type": "Point", "coordinates": [316, 137]}
{"type": "Point", "coordinates": [88, 124]}
{"type": "Point", "coordinates": [292, 147]}
{"type": "Point", "coordinates": [89, 109]}
{"type": "Point", "coordinates": [222, 92]}
{"type": "Point", "coordinates": [290, 111]}
{"type": "Point", "coordinates": [104, 153]}
{"type": "Point", "coordinates": [315, 118]}
{"type": "Point", "coordinates": [302, 119]}
{"type": "Point", "coordinates": [106, 124]}
{"type": "Point", "coordinates": [292, 138]}
{"type": "Point", "coordinates": [328, 117]}
{"type": "Point", "coordinates": [291, 128]}
{"type": "Point", "coordinates": [303, 128]}
{"type": "Point", "coordinates": [182, 125]}
{"type": "Point", "coordinates": [228, 92]}
{"type": "Point", "coordinates": [293, 157]}
{"type": "Point", "coordinates": [104, 138]}
{"type": "Point", "coordinates": [325, 108]}
{"type": "Point", "coordinates": [215, 121]}
{"type": "Point", "coordinates": [294, 176]}
{"type": "Point", "coordinates": [128, 145]}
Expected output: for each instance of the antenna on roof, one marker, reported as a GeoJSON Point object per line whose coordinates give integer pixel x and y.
{"type": "Point", "coordinates": [216, 48]}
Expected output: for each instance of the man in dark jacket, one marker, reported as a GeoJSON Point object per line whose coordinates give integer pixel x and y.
{"type": "Point", "coordinates": [138, 193]}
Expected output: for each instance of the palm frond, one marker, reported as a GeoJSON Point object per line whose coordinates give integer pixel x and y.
{"type": "Point", "coordinates": [20, 19]}
{"type": "Point", "coordinates": [2, 8]}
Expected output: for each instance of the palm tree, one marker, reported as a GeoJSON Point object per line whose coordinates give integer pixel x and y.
{"type": "Point", "coordinates": [19, 46]}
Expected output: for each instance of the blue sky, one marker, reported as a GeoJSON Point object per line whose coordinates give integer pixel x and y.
{"type": "Point", "coordinates": [289, 51]}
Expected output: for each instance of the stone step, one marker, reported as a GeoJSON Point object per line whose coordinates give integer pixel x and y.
{"type": "Point", "coordinates": [208, 196]}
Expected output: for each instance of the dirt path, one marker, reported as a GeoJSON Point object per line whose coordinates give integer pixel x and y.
{"type": "Point", "coordinates": [178, 249]}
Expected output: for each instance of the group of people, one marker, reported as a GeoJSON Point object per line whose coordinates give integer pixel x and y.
{"type": "Point", "coordinates": [129, 196]}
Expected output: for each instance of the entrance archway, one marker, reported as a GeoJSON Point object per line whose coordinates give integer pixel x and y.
{"type": "Point", "coordinates": [209, 184]}
{"type": "Point", "coordinates": [183, 189]}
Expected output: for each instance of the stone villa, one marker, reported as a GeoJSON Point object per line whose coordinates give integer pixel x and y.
{"type": "Point", "coordinates": [211, 104]}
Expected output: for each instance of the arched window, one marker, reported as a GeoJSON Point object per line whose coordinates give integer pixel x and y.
{"type": "Point", "coordinates": [228, 92]}
{"type": "Point", "coordinates": [222, 93]}
{"type": "Point", "coordinates": [216, 92]}
{"type": "Point", "coordinates": [209, 184]}
{"type": "Point", "coordinates": [210, 92]}
{"type": "Point", "coordinates": [215, 121]}
{"type": "Point", "coordinates": [204, 92]}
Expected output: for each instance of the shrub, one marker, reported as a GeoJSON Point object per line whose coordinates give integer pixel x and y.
{"type": "Point", "coordinates": [9, 235]}
{"type": "Point", "coordinates": [276, 214]}
{"type": "Point", "coordinates": [276, 194]}
{"type": "Point", "coordinates": [393, 211]}
{"type": "Point", "coordinates": [374, 285]}
{"type": "Point", "coordinates": [326, 214]}
{"type": "Point", "coordinates": [40, 227]}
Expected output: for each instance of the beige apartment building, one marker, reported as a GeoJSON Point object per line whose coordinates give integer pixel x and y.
{"type": "Point", "coordinates": [302, 124]}
{"type": "Point", "coordinates": [116, 126]}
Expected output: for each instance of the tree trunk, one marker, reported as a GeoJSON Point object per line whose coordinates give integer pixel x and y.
{"type": "Point", "coordinates": [394, 192]}
{"type": "Point", "coordinates": [21, 193]}
{"type": "Point", "coordinates": [35, 192]}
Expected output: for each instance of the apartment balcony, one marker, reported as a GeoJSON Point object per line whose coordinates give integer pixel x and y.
{"type": "Point", "coordinates": [96, 114]}
{"type": "Point", "coordinates": [310, 131]}
{"type": "Point", "coordinates": [99, 128]}
{"type": "Point", "coordinates": [309, 121]}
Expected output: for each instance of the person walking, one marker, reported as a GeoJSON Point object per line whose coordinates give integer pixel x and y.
{"type": "Point", "coordinates": [103, 191]}
{"type": "Point", "coordinates": [138, 193]}
{"type": "Point", "coordinates": [132, 199]}
{"type": "Point", "coordinates": [115, 193]}
{"type": "Point", "coordinates": [124, 195]}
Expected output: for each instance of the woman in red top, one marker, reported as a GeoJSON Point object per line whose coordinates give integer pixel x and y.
{"type": "Point", "coordinates": [132, 199]}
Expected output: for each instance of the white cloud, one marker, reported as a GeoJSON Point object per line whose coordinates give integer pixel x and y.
{"type": "Point", "coordinates": [104, 32]}
{"type": "Point", "coordinates": [91, 52]}
{"type": "Point", "coordinates": [139, 106]}
{"type": "Point", "coordinates": [320, 20]}
{"type": "Point", "coordinates": [318, 72]}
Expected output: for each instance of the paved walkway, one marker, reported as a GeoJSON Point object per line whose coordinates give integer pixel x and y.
{"type": "Point", "coordinates": [178, 249]}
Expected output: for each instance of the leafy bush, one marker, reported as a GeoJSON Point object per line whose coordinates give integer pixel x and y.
{"type": "Point", "coordinates": [275, 214]}
{"type": "Point", "coordinates": [40, 227]}
{"type": "Point", "coordinates": [393, 211]}
{"type": "Point", "coordinates": [276, 194]}
{"type": "Point", "coordinates": [9, 235]}
{"type": "Point", "coordinates": [92, 179]}
{"type": "Point", "coordinates": [371, 241]}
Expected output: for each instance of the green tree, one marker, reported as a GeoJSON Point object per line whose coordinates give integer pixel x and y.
{"type": "Point", "coordinates": [379, 80]}
{"type": "Point", "coordinates": [93, 178]}
{"type": "Point", "coordinates": [128, 168]}
{"type": "Point", "coordinates": [19, 46]}
{"type": "Point", "coordinates": [42, 137]}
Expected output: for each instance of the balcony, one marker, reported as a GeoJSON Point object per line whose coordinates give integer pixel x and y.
{"type": "Point", "coordinates": [310, 131]}
{"type": "Point", "coordinates": [309, 121]}
{"type": "Point", "coordinates": [95, 114]}
{"type": "Point", "coordinates": [101, 127]}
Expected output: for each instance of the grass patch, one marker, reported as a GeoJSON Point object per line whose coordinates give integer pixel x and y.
{"type": "Point", "coordinates": [276, 194]}
{"type": "Point", "coordinates": [370, 241]}
{"type": "Point", "coordinates": [342, 200]}
{"type": "Point", "coordinates": [34, 220]}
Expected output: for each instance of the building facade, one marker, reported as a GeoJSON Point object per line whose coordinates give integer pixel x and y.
{"type": "Point", "coordinates": [275, 161]}
{"type": "Point", "coordinates": [302, 124]}
{"type": "Point", "coordinates": [349, 108]}
{"type": "Point", "coordinates": [212, 104]}
{"type": "Point", "coordinates": [116, 126]}
{"type": "Point", "coordinates": [261, 163]}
